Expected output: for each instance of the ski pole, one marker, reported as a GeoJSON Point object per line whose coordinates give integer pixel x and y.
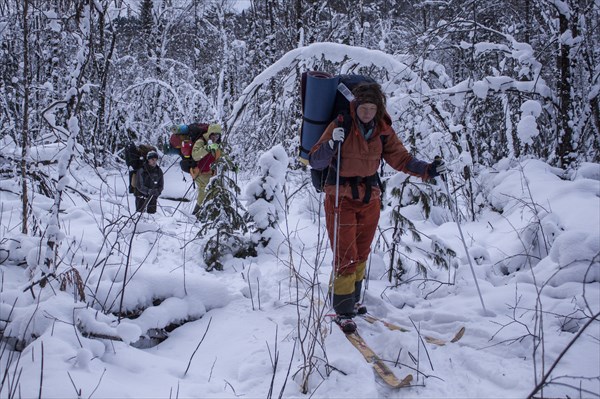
{"type": "Point", "coordinates": [462, 237]}
{"type": "Point", "coordinates": [184, 194]}
{"type": "Point", "coordinates": [336, 211]}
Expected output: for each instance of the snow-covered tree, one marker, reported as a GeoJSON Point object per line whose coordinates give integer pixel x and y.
{"type": "Point", "coordinates": [222, 220]}
{"type": "Point", "coordinates": [265, 201]}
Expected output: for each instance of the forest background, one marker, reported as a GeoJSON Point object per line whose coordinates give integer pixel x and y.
{"type": "Point", "coordinates": [475, 81]}
{"type": "Point", "coordinates": [130, 73]}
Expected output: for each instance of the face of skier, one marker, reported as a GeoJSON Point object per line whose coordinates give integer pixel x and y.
{"type": "Point", "coordinates": [366, 112]}
{"type": "Point", "coordinates": [152, 158]}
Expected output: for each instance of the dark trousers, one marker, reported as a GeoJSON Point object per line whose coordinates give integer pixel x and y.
{"type": "Point", "coordinates": [147, 204]}
{"type": "Point", "coordinates": [132, 174]}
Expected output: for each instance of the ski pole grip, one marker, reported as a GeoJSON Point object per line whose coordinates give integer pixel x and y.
{"type": "Point", "coordinates": [340, 123]}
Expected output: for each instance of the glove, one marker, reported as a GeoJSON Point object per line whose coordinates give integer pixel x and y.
{"type": "Point", "coordinates": [212, 147]}
{"type": "Point", "coordinates": [437, 167]}
{"type": "Point", "coordinates": [155, 192]}
{"type": "Point", "coordinates": [337, 135]}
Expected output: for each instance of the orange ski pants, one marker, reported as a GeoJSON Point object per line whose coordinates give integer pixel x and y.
{"type": "Point", "coordinates": [357, 223]}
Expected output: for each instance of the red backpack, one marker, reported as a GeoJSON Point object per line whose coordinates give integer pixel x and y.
{"type": "Point", "coordinates": [182, 142]}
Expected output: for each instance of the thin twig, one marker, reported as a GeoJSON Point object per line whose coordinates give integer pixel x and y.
{"type": "Point", "coordinates": [422, 343]}
{"type": "Point", "coordinates": [258, 291]}
{"type": "Point", "coordinates": [287, 375]}
{"type": "Point", "coordinates": [198, 346]}
{"type": "Point", "coordinates": [274, 363]}
{"type": "Point", "coordinates": [98, 384]}
{"type": "Point", "coordinates": [41, 371]}
{"type": "Point", "coordinates": [564, 351]}
{"type": "Point", "coordinates": [77, 391]}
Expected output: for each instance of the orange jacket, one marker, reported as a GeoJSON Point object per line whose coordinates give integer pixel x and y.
{"type": "Point", "coordinates": [361, 157]}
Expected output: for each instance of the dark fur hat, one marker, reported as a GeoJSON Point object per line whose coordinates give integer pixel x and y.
{"type": "Point", "coordinates": [371, 93]}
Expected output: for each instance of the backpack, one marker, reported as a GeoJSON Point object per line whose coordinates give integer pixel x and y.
{"type": "Point", "coordinates": [134, 158]}
{"type": "Point", "coordinates": [182, 142]}
{"type": "Point", "coordinates": [324, 97]}
{"type": "Point", "coordinates": [136, 154]}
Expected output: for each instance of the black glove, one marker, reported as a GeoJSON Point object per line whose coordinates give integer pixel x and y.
{"type": "Point", "coordinates": [155, 192]}
{"type": "Point", "coordinates": [437, 167]}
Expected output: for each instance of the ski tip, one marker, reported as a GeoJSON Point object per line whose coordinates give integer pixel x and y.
{"type": "Point", "coordinates": [405, 382]}
{"type": "Point", "coordinates": [459, 334]}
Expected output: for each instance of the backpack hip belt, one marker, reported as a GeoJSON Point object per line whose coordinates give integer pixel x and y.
{"type": "Point", "coordinates": [354, 181]}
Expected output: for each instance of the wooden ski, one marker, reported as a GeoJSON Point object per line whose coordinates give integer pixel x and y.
{"type": "Point", "coordinates": [429, 339]}
{"type": "Point", "coordinates": [382, 370]}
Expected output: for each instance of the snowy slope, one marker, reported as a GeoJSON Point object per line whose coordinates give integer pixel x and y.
{"type": "Point", "coordinates": [250, 330]}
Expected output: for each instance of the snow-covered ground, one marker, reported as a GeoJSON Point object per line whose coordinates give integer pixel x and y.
{"type": "Point", "coordinates": [251, 330]}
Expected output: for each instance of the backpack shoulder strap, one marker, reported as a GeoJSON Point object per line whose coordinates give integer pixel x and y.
{"type": "Point", "coordinates": [384, 139]}
{"type": "Point", "coordinates": [346, 120]}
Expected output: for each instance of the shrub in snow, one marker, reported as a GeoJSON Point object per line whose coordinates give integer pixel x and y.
{"type": "Point", "coordinates": [222, 218]}
{"type": "Point", "coordinates": [264, 195]}
{"type": "Point", "coordinates": [404, 194]}
{"type": "Point", "coordinates": [575, 255]}
{"type": "Point", "coordinates": [588, 170]}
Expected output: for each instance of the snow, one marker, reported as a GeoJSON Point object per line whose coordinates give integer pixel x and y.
{"type": "Point", "coordinates": [240, 329]}
{"type": "Point", "coordinates": [527, 128]}
{"type": "Point", "coordinates": [53, 20]}
{"type": "Point", "coordinates": [333, 52]}
{"type": "Point", "coordinates": [480, 89]}
{"type": "Point", "coordinates": [126, 281]}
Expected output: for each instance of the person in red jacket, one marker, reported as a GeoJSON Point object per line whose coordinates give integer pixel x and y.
{"type": "Point", "coordinates": [359, 203]}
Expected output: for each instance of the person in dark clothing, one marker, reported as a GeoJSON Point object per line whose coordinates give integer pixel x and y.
{"type": "Point", "coordinates": [149, 184]}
